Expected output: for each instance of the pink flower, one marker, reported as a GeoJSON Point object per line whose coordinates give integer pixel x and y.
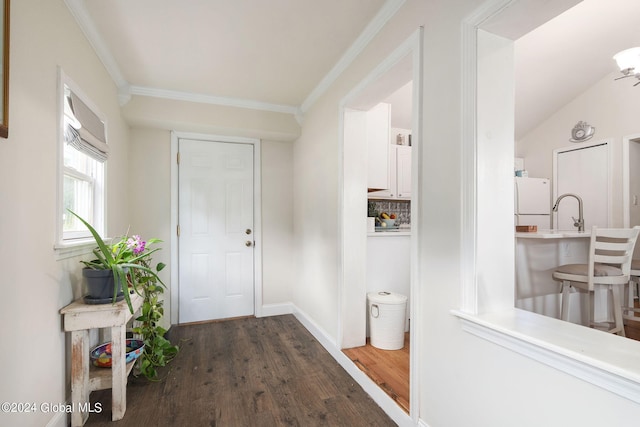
{"type": "Point", "coordinates": [136, 244]}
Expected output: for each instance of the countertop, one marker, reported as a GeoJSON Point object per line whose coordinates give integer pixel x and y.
{"type": "Point", "coordinates": [554, 234]}
{"type": "Point", "coordinates": [402, 231]}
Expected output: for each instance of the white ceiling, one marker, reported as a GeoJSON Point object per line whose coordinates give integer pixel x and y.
{"type": "Point", "coordinates": [561, 59]}
{"type": "Point", "coordinates": [274, 51]}
{"type": "Point", "coordinates": [402, 106]}
{"type": "Point", "coordinates": [277, 52]}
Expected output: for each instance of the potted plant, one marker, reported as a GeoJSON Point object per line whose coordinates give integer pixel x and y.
{"type": "Point", "coordinates": [129, 261]}
{"type": "Point", "coordinates": [158, 350]}
{"type": "Point", "coordinates": [119, 261]}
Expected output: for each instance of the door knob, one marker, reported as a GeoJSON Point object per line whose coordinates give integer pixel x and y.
{"type": "Point", "coordinates": [247, 231]}
{"type": "Point", "coordinates": [248, 243]}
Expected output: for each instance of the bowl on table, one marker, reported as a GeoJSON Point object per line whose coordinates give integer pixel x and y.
{"type": "Point", "coordinates": [101, 355]}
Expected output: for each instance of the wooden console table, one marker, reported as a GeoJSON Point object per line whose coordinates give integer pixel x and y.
{"type": "Point", "coordinates": [79, 318]}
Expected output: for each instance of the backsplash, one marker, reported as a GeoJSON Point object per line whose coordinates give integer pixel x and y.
{"type": "Point", "coordinates": [402, 209]}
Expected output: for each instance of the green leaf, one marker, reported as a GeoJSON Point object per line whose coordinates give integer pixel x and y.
{"type": "Point", "coordinates": [103, 247]}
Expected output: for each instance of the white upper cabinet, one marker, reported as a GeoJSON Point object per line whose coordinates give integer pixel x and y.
{"type": "Point", "coordinates": [390, 192]}
{"type": "Point", "coordinates": [377, 135]}
{"type": "Point", "coordinates": [389, 164]}
{"type": "Point", "coordinates": [403, 172]}
{"type": "Point", "coordinates": [399, 173]}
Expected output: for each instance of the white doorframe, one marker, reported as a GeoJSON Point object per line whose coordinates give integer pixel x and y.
{"type": "Point", "coordinates": [609, 143]}
{"type": "Point", "coordinates": [354, 267]}
{"type": "Point", "coordinates": [257, 211]}
{"type": "Point", "coordinates": [626, 176]}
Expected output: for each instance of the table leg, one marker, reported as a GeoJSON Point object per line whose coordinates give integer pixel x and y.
{"type": "Point", "coordinates": [79, 376]}
{"type": "Point", "coordinates": [119, 372]}
{"type": "Point", "coordinates": [566, 294]}
{"type": "Point", "coordinates": [617, 309]}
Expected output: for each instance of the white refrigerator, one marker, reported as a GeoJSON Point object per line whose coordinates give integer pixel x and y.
{"type": "Point", "coordinates": [533, 202]}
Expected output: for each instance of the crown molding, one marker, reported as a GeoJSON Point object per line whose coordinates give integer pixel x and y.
{"type": "Point", "coordinates": [126, 91]}
{"type": "Point", "coordinates": [214, 100]}
{"type": "Point", "coordinates": [88, 27]}
{"type": "Point", "coordinates": [371, 30]}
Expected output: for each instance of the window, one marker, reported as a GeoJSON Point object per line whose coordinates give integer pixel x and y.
{"type": "Point", "coordinates": [83, 155]}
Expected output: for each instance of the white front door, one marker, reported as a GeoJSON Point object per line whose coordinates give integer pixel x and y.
{"type": "Point", "coordinates": [216, 244]}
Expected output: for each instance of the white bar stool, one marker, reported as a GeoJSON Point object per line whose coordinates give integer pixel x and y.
{"type": "Point", "coordinates": [608, 266]}
{"type": "Point", "coordinates": [629, 311]}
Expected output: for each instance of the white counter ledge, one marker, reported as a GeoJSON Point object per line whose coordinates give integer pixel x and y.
{"type": "Point", "coordinates": [554, 234]}
{"type": "Point", "coordinates": [394, 233]}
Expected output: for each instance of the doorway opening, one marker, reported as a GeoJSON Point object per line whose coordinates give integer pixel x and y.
{"type": "Point", "coordinates": [631, 182]}
{"type": "Point", "coordinates": [400, 68]}
{"type": "Point", "coordinates": [631, 210]}
{"type": "Point", "coordinates": [584, 170]}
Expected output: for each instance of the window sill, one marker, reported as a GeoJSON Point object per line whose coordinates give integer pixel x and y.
{"type": "Point", "coordinates": [70, 250]}
{"type": "Point", "coordinates": [605, 360]}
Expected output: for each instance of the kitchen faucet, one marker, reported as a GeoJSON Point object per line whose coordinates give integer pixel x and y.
{"type": "Point", "coordinates": [576, 222]}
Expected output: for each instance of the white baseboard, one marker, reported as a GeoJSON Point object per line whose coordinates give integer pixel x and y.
{"type": "Point", "coordinates": [383, 400]}
{"type": "Point", "coordinates": [58, 420]}
{"type": "Point", "coordinates": [275, 309]}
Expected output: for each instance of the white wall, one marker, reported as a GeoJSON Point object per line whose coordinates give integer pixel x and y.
{"type": "Point", "coordinates": [154, 118]}
{"type": "Point", "coordinates": [610, 106]}
{"type": "Point", "coordinates": [315, 213]}
{"type": "Point", "coordinates": [150, 165]}
{"type": "Point", "coordinates": [464, 380]}
{"type": "Point", "coordinates": [156, 113]}
{"type": "Point", "coordinates": [495, 178]}
{"type": "Point", "coordinates": [150, 197]}
{"type": "Point", "coordinates": [277, 222]}
{"type": "Point", "coordinates": [36, 285]}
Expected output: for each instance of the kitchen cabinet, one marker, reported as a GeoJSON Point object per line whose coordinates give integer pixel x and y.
{"type": "Point", "coordinates": [378, 127]}
{"type": "Point", "coordinates": [403, 172]}
{"type": "Point", "coordinates": [399, 174]}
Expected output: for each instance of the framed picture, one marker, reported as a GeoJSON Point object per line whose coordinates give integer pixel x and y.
{"type": "Point", "coordinates": [4, 69]}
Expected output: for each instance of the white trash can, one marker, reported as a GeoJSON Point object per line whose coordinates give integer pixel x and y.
{"type": "Point", "coordinates": [386, 319]}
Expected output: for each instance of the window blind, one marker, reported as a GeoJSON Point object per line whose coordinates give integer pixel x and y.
{"type": "Point", "coordinates": [84, 131]}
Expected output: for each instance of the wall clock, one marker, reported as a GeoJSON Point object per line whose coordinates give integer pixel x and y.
{"type": "Point", "coordinates": [581, 132]}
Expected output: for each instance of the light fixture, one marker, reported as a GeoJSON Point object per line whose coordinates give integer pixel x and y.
{"type": "Point", "coordinates": [629, 63]}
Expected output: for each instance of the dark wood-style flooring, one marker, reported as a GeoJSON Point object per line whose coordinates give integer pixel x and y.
{"type": "Point", "coordinates": [246, 372]}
